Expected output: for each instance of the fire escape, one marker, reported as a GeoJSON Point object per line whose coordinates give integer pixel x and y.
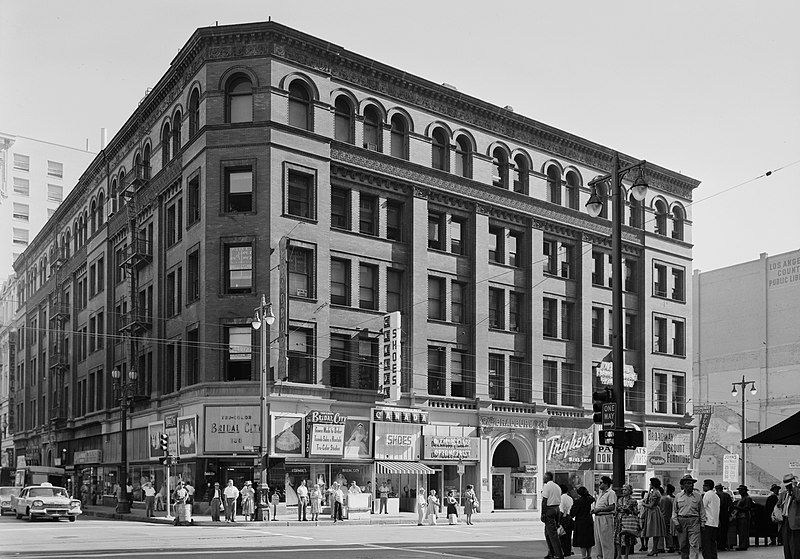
{"type": "Point", "coordinates": [59, 345]}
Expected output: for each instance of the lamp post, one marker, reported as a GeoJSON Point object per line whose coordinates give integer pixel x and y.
{"type": "Point", "coordinates": [125, 387]}
{"type": "Point", "coordinates": [735, 392]}
{"type": "Point", "coordinates": [594, 206]}
{"type": "Point", "coordinates": [261, 314]}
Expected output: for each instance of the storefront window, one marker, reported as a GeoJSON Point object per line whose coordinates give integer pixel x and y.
{"type": "Point", "coordinates": [524, 484]}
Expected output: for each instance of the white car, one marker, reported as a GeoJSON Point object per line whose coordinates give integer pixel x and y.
{"type": "Point", "coordinates": [45, 501]}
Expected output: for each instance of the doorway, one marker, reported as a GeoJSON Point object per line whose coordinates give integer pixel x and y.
{"type": "Point", "coordinates": [499, 491]}
{"type": "Point", "coordinates": [504, 461]}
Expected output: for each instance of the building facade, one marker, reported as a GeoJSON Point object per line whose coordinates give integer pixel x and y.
{"type": "Point", "coordinates": [266, 161]}
{"type": "Point", "coordinates": [745, 319]}
{"type": "Point", "coordinates": [35, 176]}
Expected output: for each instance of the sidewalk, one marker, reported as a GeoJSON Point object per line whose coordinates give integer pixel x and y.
{"type": "Point", "coordinates": [410, 518]}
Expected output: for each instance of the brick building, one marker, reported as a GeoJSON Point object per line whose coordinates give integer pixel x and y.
{"type": "Point", "coordinates": [269, 161]}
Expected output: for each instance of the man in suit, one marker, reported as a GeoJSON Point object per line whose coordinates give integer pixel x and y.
{"type": "Point", "coordinates": [789, 503]}
{"type": "Point", "coordinates": [725, 502]}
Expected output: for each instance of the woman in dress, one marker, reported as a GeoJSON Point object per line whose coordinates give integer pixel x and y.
{"type": "Point", "coordinates": [433, 507]}
{"type": "Point", "coordinates": [653, 525]}
{"type": "Point", "coordinates": [470, 503]}
{"type": "Point", "coordinates": [452, 511]}
{"type": "Point", "coordinates": [583, 527]}
{"type": "Point", "coordinates": [248, 501]}
{"type": "Point", "coordinates": [667, 503]}
{"type": "Point", "coordinates": [316, 502]}
{"type": "Point", "coordinates": [626, 522]}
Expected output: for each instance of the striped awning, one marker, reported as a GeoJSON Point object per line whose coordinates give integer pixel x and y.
{"type": "Point", "coordinates": [402, 468]}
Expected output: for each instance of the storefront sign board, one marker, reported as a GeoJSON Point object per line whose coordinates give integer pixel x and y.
{"type": "Point", "coordinates": [171, 429]}
{"type": "Point", "coordinates": [390, 355]}
{"type": "Point", "coordinates": [87, 456]}
{"type": "Point", "coordinates": [287, 435]}
{"type": "Point", "coordinates": [397, 441]}
{"type": "Point", "coordinates": [669, 449]}
{"type": "Point", "coordinates": [229, 429]}
{"type": "Point", "coordinates": [187, 436]}
{"type": "Point", "coordinates": [358, 440]}
{"type": "Point", "coordinates": [399, 415]}
{"type": "Point", "coordinates": [327, 439]}
{"type": "Point", "coordinates": [568, 448]}
{"type": "Point", "coordinates": [512, 422]}
{"type": "Point", "coordinates": [451, 448]}
{"type": "Point", "coordinates": [154, 431]}
{"type": "Point", "coordinates": [730, 468]}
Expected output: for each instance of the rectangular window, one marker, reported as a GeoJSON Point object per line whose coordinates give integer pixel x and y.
{"type": "Point", "coordinates": [239, 190]}
{"type": "Point", "coordinates": [340, 361]}
{"type": "Point", "coordinates": [55, 169]}
{"type": "Point", "coordinates": [171, 223]}
{"type": "Point", "coordinates": [55, 193]}
{"type": "Point", "coordinates": [301, 356]}
{"type": "Point", "coordinates": [520, 380]}
{"type": "Point", "coordinates": [550, 253]}
{"type": "Point", "coordinates": [101, 274]}
{"type": "Point", "coordinates": [394, 220]}
{"type": "Point", "coordinates": [679, 338]}
{"type": "Point", "coordinates": [92, 334]}
{"type": "Point", "coordinates": [458, 297]}
{"type": "Point", "coordinates": [549, 318]}
{"type": "Point", "coordinates": [659, 280]}
{"type": "Point", "coordinates": [239, 267]}
{"type": "Point", "coordinates": [598, 326]}
{"type": "Point", "coordinates": [239, 365]}
{"type": "Point", "coordinates": [496, 245]}
{"type": "Point", "coordinates": [193, 276]}
{"type": "Point", "coordinates": [192, 357]}
{"type": "Point", "coordinates": [367, 286]}
{"type": "Point", "coordinates": [550, 382]}
{"type": "Point", "coordinates": [92, 280]}
{"type": "Point", "coordinates": [678, 394]}
{"type": "Point", "coordinates": [571, 385]}
{"type": "Point", "coordinates": [170, 302]}
{"type": "Point", "coordinates": [660, 334]}
{"type": "Point", "coordinates": [300, 194]}
{"type": "Point", "coordinates": [367, 214]}
{"type": "Point", "coordinates": [598, 268]}
{"type": "Point", "coordinates": [21, 212]}
{"type": "Point", "coordinates": [101, 329]}
{"type": "Point", "coordinates": [497, 376]}
{"type": "Point", "coordinates": [340, 282]}
{"type": "Point", "coordinates": [193, 200]}
{"type": "Point", "coordinates": [660, 394]}
{"type": "Point", "coordinates": [367, 364]}
{"type": "Point", "coordinates": [497, 308]}
{"type": "Point", "coordinates": [513, 244]}
{"type": "Point", "coordinates": [630, 275]}
{"type": "Point", "coordinates": [457, 230]}
{"type": "Point", "coordinates": [435, 298]}
{"type": "Point", "coordinates": [20, 236]}
{"type": "Point", "coordinates": [22, 187]}
{"type": "Point", "coordinates": [436, 371]}
{"type": "Point", "coordinates": [435, 232]}
{"type": "Point", "coordinates": [22, 162]}
{"type": "Point", "coordinates": [340, 208]}
{"type": "Point", "coordinates": [394, 290]}
{"type": "Point", "coordinates": [458, 374]}
{"type": "Point", "coordinates": [630, 330]}
{"type": "Point", "coordinates": [678, 284]}
{"type": "Point", "coordinates": [567, 311]}
{"type": "Point", "coordinates": [565, 259]}
{"type": "Point", "coordinates": [301, 273]}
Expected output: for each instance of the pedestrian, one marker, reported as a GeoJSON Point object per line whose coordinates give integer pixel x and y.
{"type": "Point", "coordinates": [789, 503]}
{"type": "Point", "coordinates": [551, 503]}
{"type": "Point", "coordinates": [180, 496]}
{"type": "Point", "coordinates": [667, 504]}
{"type": "Point", "coordinates": [383, 493]}
{"type": "Point", "coordinates": [338, 501]}
{"type": "Point", "coordinates": [565, 521]}
{"type": "Point", "coordinates": [354, 489]}
{"type": "Point", "coordinates": [274, 500]}
{"type": "Point", "coordinates": [85, 491]}
{"type": "Point", "coordinates": [433, 507]}
{"type": "Point", "coordinates": [604, 510]}
{"type": "Point", "coordinates": [215, 502]}
{"type": "Point", "coordinates": [149, 499]}
{"type": "Point", "coordinates": [315, 496]}
{"type": "Point", "coordinates": [161, 498]}
{"type": "Point", "coordinates": [583, 528]}
{"type": "Point", "coordinates": [422, 505]}
{"type": "Point", "coordinates": [452, 510]}
{"type": "Point", "coordinates": [231, 494]}
{"type": "Point", "coordinates": [710, 523]}
{"type": "Point", "coordinates": [626, 522]}
{"type": "Point", "coordinates": [248, 501]}
{"type": "Point", "coordinates": [653, 525]}
{"type": "Point", "coordinates": [470, 503]}
{"type": "Point", "coordinates": [725, 503]}
{"type": "Point", "coordinates": [772, 528]}
{"type": "Point", "coordinates": [687, 515]}
{"type": "Point", "coordinates": [743, 507]}
{"type": "Point", "coordinates": [302, 501]}
{"type": "Point", "coordinates": [190, 490]}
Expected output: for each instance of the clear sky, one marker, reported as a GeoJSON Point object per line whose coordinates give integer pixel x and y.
{"type": "Point", "coordinates": [710, 89]}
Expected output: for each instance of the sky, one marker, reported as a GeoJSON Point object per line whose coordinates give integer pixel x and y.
{"type": "Point", "coordinates": [709, 89]}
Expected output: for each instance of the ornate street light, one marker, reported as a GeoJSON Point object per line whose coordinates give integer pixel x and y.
{"type": "Point", "coordinates": [126, 390]}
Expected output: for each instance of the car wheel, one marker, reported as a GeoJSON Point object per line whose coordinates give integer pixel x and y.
{"type": "Point", "coordinates": [72, 519]}
{"type": "Point", "coordinates": [19, 516]}
{"type": "Point", "coordinates": [29, 515]}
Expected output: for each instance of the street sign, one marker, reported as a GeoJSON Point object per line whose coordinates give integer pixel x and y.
{"type": "Point", "coordinates": [730, 468]}
{"type": "Point", "coordinates": [607, 437]}
{"type": "Point", "coordinates": [609, 414]}
{"type": "Point", "coordinates": [460, 469]}
{"type": "Point", "coordinates": [702, 408]}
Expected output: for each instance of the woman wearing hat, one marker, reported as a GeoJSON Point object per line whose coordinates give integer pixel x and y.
{"type": "Point", "coordinates": [653, 525]}
{"type": "Point", "coordinates": [248, 501]}
{"type": "Point", "coordinates": [743, 508]}
{"type": "Point", "coordinates": [626, 524]}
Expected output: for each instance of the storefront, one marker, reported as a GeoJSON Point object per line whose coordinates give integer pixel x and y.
{"type": "Point", "coordinates": [635, 460]}
{"type": "Point", "coordinates": [669, 453]}
{"type": "Point", "coordinates": [569, 450]}
{"type": "Point", "coordinates": [453, 452]}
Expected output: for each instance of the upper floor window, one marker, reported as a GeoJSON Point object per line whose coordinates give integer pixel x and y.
{"type": "Point", "coordinates": [22, 187]}
{"type": "Point", "coordinates": [521, 174]}
{"type": "Point", "coordinates": [463, 157]}
{"type": "Point", "coordinates": [300, 194]}
{"type": "Point", "coordinates": [496, 248]}
{"type": "Point", "coordinates": [55, 169]}
{"type": "Point", "coordinates": [367, 286]}
{"type": "Point", "coordinates": [457, 231]}
{"type": "Point", "coordinates": [340, 281]}
{"type": "Point", "coordinates": [677, 223]}
{"type": "Point", "coordinates": [573, 190]}
{"type": "Point", "coordinates": [553, 185]}
{"type": "Point", "coordinates": [176, 133]}
{"type": "Point", "coordinates": [22, 162]}
{"type": "Point", "coordinates": [299, 105]}
{"type": "Point", "coordinates": [239, 99]}
{"type": "Point", "coordinates": [399, 137]}
{"type": "Point", "coordinates": [301, 272]}
{"type": "Point", "coordinates": [372, 128]}
{"type": "Point", "coordinates": [340, 208]}
{"type": "Point", "coordinates": [394, 220]}
{"type": "Point", "coordinates": [343, 119]}
{"type": "Point", "coordinates": [661, 217]}
{"type": "Point", "coordinates": [239, 268]}
{"type": "Point", "coordinates": [239, 190]}
{"type": "Point", "coordinates": [441, 148]}
{"type": "Point", "coordinates": [499, 168]}
{"type": "Point", "coordinates": [166, 138]}
{"type": "Point", "coordinates": [636, 212]}
{"type": "Point", "coordinates": [194, 112]}
{"type": "Point", "coordinates": [368, 214]}
{"type": "Point", "coordinates": [55, 193]}
{"type": "Point", "coordinates": [435, 231]}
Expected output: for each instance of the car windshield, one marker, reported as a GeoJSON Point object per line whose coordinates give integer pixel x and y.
{"type": "Point", "coordinates": [47, 492]}
{"type": "Point", "coordinates": [6, 491]}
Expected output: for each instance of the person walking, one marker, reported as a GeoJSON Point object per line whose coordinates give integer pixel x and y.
{"type": "Point", "coordinates": [422, 505]}
{"type": "Point", "coordinates": [338, 502]}
{"type": "Point", "coordinates": [789, 504]}
{"type": "Point", "coordinates": [470, 503]}
{"type": "Point", "coordinates": [248, 501]}
{"type": "Point", "coordinates": [315, 496]}
{"type": "Point", "coordinates": [231, 494]}
{"type": "Point", "coordinates": [583, 528]}
{"type": "Point", "coordinates": [433, 507]}
{"type": "Point", "coordinates": [215, 502]}
{"type": "Point", "coordinates": [565, 520]}
{"type": "Point", "coordinates": [653, 525]}
{"type": "Point", "coordinates": [149, 499]}
{"type": "Point", "coordinates": [161, 498]}
{"type": "Point", "coordinates": [772, 528]}
{"type": "Point", "coordinates": [688, 515]}
{"type": "Point", "coordinates": [626, 522]}
{"type": "Point", "coordinates": [667, 504]}
{"type": "Point", "coordinates": [604, 510]}
{"type": "Point", "coordinates": [710, 524]}
{"type": "Point", "coordinates": [744, 507]}
{"type": "Point", "coordinates": [725, 503]}
{"type": "Point", "coordinates": [452, 510]}
{"type": "Point", "coordinates": [383, 493]}
{"type": "Point", "coordinates": [274, 500]}
{"type": "Point", "coordinates": [551, 502]}
{"type": "Point", "coordinates": [302, 501]}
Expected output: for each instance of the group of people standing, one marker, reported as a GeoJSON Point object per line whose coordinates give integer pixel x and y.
{"type": "Point", "coordinates": [429, 508]}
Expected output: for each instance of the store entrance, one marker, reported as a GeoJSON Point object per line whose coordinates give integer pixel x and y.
{"type": "Point", "coordinates": [499, 491]}
{"type": "Point", "coordinates": [239, 474]}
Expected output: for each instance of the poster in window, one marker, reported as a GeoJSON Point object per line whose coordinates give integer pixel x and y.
{"type": "Point", "coordinates": [357, 439]}
{"type": "Point", "coordinates": [154, 431]}
{"type": "Point", "coordinates": [287, 435]}
{"type": "Point", "coordinates": [187, 436]}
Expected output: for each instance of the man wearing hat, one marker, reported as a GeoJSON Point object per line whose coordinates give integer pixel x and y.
{"type": "Point", "coordinates": [688, 515]}
{"type": "Point", "coordinates": [216, 502]}
{"type": "Point", "coordinates": [744, 508]}
{"type": "Point", "coordinates": [790, 509]}
{"type": "Point", "coordinates": [771, 528]}
{"type": "Point", "coordinates": [725, 502]}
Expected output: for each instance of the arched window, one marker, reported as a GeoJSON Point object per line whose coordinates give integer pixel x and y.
{"type": "Point", "coordinates": [678, 218]}
{"type": "Point", "coordinates": [521, 174]}
{"type": "Point", "coordinates": [113, 196]}
{"type": "Point", "coordinates": [194, 113]}
{"type": "Point", "coordinates": [573, 190]}
{"type": "Point", "coordinates": [93, 217]}
{"type": "Point", "coordinates": [76, 236]}
{"type": "Point", "coordinates": [67, 242]}
{"type": "Point", "coordinates": [165, 144]}
{"type": "Point", "coordinates": [499, 168]}
{"type": "Point", "coordinates": [463, 157]}
{"type": "Point", "coordinates": [176, 133]}
{"type": "Point", "coordinates": [121, 191]}
{"type": "Point", "coordinates": [146, 162]}
{"type": "Point", "coordinates": [636, 216]}
{"type": "Point", "coordinates": [554, 185]}
{"type": "Point", "coordinates": [343, 120]}
{"type": "Point", "coordinates": [399, 137]}
{"type": "Point", "coordinates": [101, 204]}
{"type": "Point", "coordinates": [441, 159]}
{"type": "Point", "coordinates": [372, 128]}
{"type": "Point", "coordinates": [84, 227]}
{"type": "Point", "coordinates": [299, 105]}
{"type": "Point", "coordinates": [239, 99]}
{"type": "Point", "coordinates": [661, 217]}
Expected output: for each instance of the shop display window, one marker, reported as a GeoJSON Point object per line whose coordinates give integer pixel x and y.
{"type": "Point", "coordinates": [524, 484]}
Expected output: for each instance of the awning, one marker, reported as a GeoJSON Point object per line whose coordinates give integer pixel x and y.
{"type": "Point", "coordinates": [402, 468]}
{"type": "Point", "coordinates": [786, 432]}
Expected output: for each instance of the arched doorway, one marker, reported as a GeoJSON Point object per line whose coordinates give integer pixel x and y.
{"type": "Point", "coordinates": [504, 460]}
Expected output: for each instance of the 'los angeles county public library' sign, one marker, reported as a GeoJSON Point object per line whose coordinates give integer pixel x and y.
{"type": "Point", "coordinates": [230, 429]}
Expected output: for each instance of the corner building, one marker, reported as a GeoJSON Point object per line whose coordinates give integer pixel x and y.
{"type": "Point", "coordinates": [269, 161]}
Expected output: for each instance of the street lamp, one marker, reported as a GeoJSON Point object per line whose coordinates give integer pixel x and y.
{"type": "Point", "coordinates": [126, 389]}
{"type": "Point", "coordinates": [735, 392]}
{"type": "Point", "coordinates": [594, 206]}
{"type": "Point", "coordinates": [261, 314]}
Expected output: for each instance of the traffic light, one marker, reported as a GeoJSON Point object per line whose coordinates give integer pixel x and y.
{"type": "Point", "coordinates": [164, 442]}
{"type": "Point", "coordinates": [600, 397]}
{"type": "Point", "coordinates": [633, 438]}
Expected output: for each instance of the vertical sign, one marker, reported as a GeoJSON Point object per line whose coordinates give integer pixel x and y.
{"type": "Point", "coordinates": [702, 431]}
{"type": "Point", "coordinates": [283, 307]}
{"type": "Point", "coordinates": [390, 356]}
{"type": "Point", "coordinates": [171, 429]}
{"type": "Point", "coordinates": [730, 468]}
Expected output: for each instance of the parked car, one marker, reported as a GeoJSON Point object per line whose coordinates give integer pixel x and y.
{"type": "Point", "coordinates": [5, 498]}
{"type": "Point", "coordinates": [45, 501]}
